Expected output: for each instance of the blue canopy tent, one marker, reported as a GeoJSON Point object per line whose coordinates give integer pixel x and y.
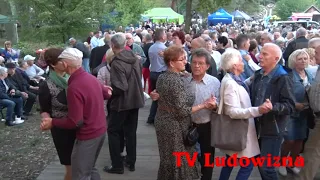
{"type": "Point", "coordinates": [241, 15]}
{"type": "Point", "coordinates": [221, 16]}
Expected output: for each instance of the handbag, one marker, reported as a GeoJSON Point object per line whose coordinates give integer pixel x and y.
{"type": "Point", "coordinates": [228, 133]}
{"type": "Point", "coordinates": [192, 136]}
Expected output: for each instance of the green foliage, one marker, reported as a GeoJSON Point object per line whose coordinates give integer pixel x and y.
{"type": "Point", "coordinates": [31, 47]}
{"type": "Point", "coordinates": [127, 12]}
{"type": "Point", "coordinates": [210, 6]}
{"type": "Point", "coordinates": [285, 8]}
{"type": "Point", "coordinates": [57, 20]}
{"type": "Point", "coordinates": [247, 6]}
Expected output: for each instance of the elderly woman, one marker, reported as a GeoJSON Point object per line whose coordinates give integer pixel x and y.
{"type": "Point", "coordinates": [173, 117]}
{"type": "Point", "coordinates": [9, 53]}
{"type": "Point", "coordinates": [53, 103]}
{"type": "Point", "coordinates": [297, 124]}
{"type": "Point", "coordinates": [312, 65]}
{"type": "Point", "coordinates": [11, 99]}
{"type": "Point", "coordinates": [237, 104]}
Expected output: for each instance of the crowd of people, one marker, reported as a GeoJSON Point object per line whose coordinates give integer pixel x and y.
{"type": "Point", "coordinates": [95, 88]}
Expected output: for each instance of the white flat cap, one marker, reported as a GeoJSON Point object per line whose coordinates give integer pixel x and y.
{"type": "Point", "coordinates": [72, 54]}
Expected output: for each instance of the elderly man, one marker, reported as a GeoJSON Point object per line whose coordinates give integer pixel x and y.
{"type": "Point", "coordinates": [28, 92]}
{"type": "Point", "coordinates": [201, 43]}
{"type": "Point", "coordinates": [136, 49]}
{"type": "Point", "coordinates": [85, 113]}
{"type": "Point", "coordinates": [206, 86]}
{"type": "Point", "coordinates": [312, 146]}
{"type": "Point", "coordinates": [299, 43]}
{"type": "Point", "coordinates": [271, 82]}
{"type": "Point", "coordinates": [127, 99]}
{"type": "Point", "coordinates": [33, 71]}
{"type": "Point", "coordinates": [85, 51]}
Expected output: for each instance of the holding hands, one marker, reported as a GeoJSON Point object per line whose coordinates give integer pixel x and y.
{"type": "Point", "coordinates": [211, 103]}
{"type": "Point", "coordinates": [265, 107]}
{"type": "Point", "coordinates": [46, 124]}
{"type": "Point", "coordinates": [154, 95]}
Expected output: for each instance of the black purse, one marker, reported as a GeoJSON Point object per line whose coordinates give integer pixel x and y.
{"type": "Point", "coordinates": [192, 136]}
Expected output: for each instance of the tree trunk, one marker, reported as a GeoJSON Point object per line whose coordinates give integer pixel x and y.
{"type": "Point", "coordinates": [188, 16]}
{"type": "Point", "coordinates": [13, 25]}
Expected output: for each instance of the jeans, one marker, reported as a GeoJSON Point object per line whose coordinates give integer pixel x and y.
{"type": "Point", "coordinates": [13, 105]}
{"type": "Point", "coordinates": [269, 145]}
{"type": "Point", "coordinates": [243, 174]}
{"type": "Point", "coordinates": [85, 64]}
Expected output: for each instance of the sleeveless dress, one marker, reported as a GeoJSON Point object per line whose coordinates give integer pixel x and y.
{"type": "Point", "coordinates": [53, 100]}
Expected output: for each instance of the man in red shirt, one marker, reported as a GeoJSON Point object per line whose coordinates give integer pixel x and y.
{"type": "Point", "coordinates": [85, 96]}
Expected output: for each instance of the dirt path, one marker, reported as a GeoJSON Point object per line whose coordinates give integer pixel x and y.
{"type": "Point", "coordinates": [24, 150]}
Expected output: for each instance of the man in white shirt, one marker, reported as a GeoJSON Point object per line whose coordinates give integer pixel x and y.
{"type": "Point", "coordinates": [33, 71]}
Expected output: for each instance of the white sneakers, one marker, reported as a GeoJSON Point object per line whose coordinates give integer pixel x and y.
{"type": "Point", "coordinates": [18, 120]}
{"type": "Point", "coordinates": [283, 170]}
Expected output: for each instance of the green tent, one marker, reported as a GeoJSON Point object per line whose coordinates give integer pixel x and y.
{"type": "Point", "coordinates": [163, 14]}
{"type": "Point", "coordinates": [4, 19]}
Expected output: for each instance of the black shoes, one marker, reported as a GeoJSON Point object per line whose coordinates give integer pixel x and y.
{"type": "Point", "coordinates": [112, 170]}
{"type": "Point", "coordinates": [131, 167]}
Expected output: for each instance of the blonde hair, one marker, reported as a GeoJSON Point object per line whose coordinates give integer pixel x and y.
{"type": "Point", "coordinates": [293, 57]}
{"type": "Point", "coordinates": [109, 55]}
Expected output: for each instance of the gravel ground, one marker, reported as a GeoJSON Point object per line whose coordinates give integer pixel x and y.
{"type": "Point", "coordinates": [24, 150]}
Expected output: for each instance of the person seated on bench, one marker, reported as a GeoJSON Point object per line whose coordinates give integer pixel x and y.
{"type": "Point", "coordinates": [33, 71]}
{"type": "Point", "coordinates": [11, 99]}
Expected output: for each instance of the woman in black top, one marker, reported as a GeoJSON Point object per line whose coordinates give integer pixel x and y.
{"type": "Point", "coordinates": [53, 103]}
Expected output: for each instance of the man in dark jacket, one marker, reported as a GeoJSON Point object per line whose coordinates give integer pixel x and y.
{"type": "Point", "coordinates": [271, 83]}
{"type": "Point", "coordinates": [299, 43]}
{"type": "Point", "coordinates": [98, 53]}
{"type": "Point", "coordinates": [85, 51]}
{"type": "Point", "coordinates": [23, 86]}
{"type": "Point", "coordinates": [125, 102]}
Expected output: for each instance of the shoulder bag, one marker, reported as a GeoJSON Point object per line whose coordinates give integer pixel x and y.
{"type": "Point", "coordinates": [228, 133]}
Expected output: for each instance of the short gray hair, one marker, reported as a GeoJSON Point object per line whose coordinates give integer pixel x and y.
{"type": "Point", "coordinates": [293, 57]}
{"type": "Point", "coordinates": [301, 32]}
{"type": "Point", "coordinates": [314, 42]}
{"type": "Point", "coordinates": [118, 40]}
{"type": "Point", "coordinates": [277, 48]}
{"type": "Point", "coordinates": [229, 58]}
{"type": "Point", "coordinates": [148, 37]}
{"type": "Point", "coordinates": [3, 70]}
{"type": "Point", "coordinates": [270, 36]}
{"type": "Point", "coordinates": [201, 52]}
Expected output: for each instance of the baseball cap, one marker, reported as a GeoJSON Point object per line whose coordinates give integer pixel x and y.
{"type": "Point", "coordinates": [72, 54]}
{"type": "Point", "coordinates": [10, 65]}
{"type": "Point", "coordinates": [29, 58]}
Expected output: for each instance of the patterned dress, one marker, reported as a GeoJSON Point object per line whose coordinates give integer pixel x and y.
{"type": "Point", "coordinates": [53, 100]}
{"type": "Point", "coordinates": [172, 122]}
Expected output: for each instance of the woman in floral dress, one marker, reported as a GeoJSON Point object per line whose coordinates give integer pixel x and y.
{"type": "Point", "coordinates": [173, 117]}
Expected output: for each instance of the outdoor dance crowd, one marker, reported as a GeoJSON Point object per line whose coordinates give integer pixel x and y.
{"type": "Point", "coordinates": [94, 90]}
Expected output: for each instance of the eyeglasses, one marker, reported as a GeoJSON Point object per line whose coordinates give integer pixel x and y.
{"type": "Point", "coordinates": [198, 63]}
{"type": "Point", "coordinates": [182, 59]}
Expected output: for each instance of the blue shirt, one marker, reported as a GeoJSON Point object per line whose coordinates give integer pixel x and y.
{"type": "Point", "coordinates": [156, 61]}
{"type": "Point", "coordinates": [262, 85]}
{"type": "Point", "coordinates": [248, 72]}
